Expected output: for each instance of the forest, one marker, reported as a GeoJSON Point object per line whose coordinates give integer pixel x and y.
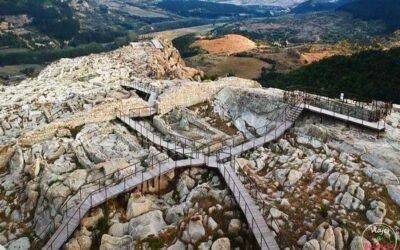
{"type": "Point", "coordinates": [206, 9]}
{"type": "Point", "coordinates": [54, 18]}
{"type": "Point", "coordinates": [373, 74]}
{"type": "Point", "coordinates": [386, 10]}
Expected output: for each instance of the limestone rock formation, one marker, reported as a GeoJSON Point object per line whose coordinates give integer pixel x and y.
{"type": "Point", "coordinates": [60, 141]}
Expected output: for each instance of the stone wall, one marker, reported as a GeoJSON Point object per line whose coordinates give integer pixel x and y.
{"type": "Point", "coordinates": [100, 113]}
{"type": "Point", "coordinates": [196, 92]}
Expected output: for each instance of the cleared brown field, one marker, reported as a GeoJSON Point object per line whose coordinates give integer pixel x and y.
{"type": "Point", "coordinates": [226, 45]}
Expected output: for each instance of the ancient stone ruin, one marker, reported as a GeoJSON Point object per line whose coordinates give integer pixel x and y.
{"type": "Point", "coordinates": [130, 149]}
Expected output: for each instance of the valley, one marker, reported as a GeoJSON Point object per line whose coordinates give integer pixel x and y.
{"type": "Point", "coordinates": [284, 40]}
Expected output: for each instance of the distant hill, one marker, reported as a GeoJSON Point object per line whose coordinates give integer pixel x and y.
{"type": "Point", "coordinates": [385, 10]}
{"type": "Point", "coordinates": [373, 74]}
{"type": "Point", "coordinates": [319, 5]}
{"type": "Point", "coordinates": [51, 17]}
{"type": "Point", "coordinates": [206, 9]}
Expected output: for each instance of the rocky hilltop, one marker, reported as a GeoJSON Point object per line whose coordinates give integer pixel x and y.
{"type": "Point", "coordinates": [320, 184]}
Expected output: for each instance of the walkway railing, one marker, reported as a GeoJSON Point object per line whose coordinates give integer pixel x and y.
{"type": "Point", "coordinates": [254, 188]}
{"type": "Point", "coordinates": [110, 190]}
{"type": "Point", "coordinates": [282, 117]}
{"type": "Point", "coordinates": [241, 196]}
{"type": "Point", "coordinates": [350, 105]}
{"type": "Point", "coordinates": [195, 155]}
{"type": "Point", "coordinates": [144, 87]}
{"type": "Point", "coordinates": [114, 177]}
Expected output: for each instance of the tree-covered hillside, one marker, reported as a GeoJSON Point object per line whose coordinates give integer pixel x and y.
{"type": "Point", "coordinates": [51, 17]}
{"type": "Point", "coordinates": [206, 9]}
{"type": "Point", "coordinates": [373, 74]}
{"type": "Point", "coordinates": [318, 5]}
{"type": "Point", "coordinates": [385, 10]}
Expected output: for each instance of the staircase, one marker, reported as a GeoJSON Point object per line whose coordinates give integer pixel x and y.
{"type": "Point", "coordinates": [293, 112]}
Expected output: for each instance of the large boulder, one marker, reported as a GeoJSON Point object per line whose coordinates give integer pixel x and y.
{"type": "Point", "coordinates": [137, 205]}
{"type": "Point", "coordinates": [109, 242]}
{"type": "Point", "coordinates": [394, 193]}
{"type": "Point", "coordinates": [174, 213]}
{"type": "Point", "coordinates": [150, 223]}
{"type": "Point", "coordinates": [58, 190]}
{"type": "Point", "coordinates": [377, 212]}
{"type": "Point", "coordinates": [312, 245]}
{"type": "Point", "coordinates": [92, 220]}
{"type": "Point", "coordinates": [82, 240]}
{"type": "Point", "coordinates": [341, 182]}
{"type": "Point", "coordinates": [178, 245]}
{"type": "Point", "coordinates": [234, 226]}
{"type": "Point", "coordinates": [248, 107]}
{"type": "Point", "coordinates": [204, 191]}
{"type": "Point", "coordinates": [76, 179]}
{"type": "Point", "coordinates": [294, 176]}
{"type": "Point", "coordinates": [381, 175]}
{"type": "Point", "coordinates": [6, 152]}
{"type": "Point", "coordinates": [52, 150]}
{"type": "Point", "coordinates": [20, 244]}
{"type": "Point", "coordinates": [119, 229]}
{"type": "Point", "coordinates": [194, 230]}
{"type": "Point", "coordinates": [16, 164]}
{"type": "Point", "coordinates": [221, 244]}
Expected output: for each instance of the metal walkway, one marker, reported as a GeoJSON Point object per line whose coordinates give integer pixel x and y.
{"type": "Point", "coordinates": [143, 87]}
{"type": "Point", "coordinates": [251, 211]}
{"type": "Point", "coordinates": [95, 198]}
{"type": "Point", "coordinates": [379, 125]}
{"type": "Point", "coordinates": [370, 114]}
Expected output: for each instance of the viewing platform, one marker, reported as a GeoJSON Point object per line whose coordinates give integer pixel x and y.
{"type": "Point", "coordinates": [370, 115]}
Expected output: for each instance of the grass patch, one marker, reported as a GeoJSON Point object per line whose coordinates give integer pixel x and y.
{"type": "Point", "coordinates": [323, 211]}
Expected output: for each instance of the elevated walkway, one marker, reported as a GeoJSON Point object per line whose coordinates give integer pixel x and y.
{"type": "Point", "coordinates": [143, 87]}
{"type": "Point", "coordinates": [254, 218]}
{"type": "Point", "coordinates": [104, 193]}
{"type": "Point", "coordinates": [157, 44]}
{"type": "Point", "coordinates": [379, 125]}
{"type": "Point", "coordinates": [370, 115]}
{"type": "Point", "coordinates": [151, 92]}
{"type": "Point", "coordinates": [141, 112]}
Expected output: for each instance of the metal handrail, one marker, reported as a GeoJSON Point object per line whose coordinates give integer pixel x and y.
{"type": "Point", "coordinates": [253, 185]}
{"type": "Point", "coordinates": [279, 117]}
{"type": "Point", "coordinates": [322, 92]}
{"type": "Point", "coordinates": [376, 110]}
{"type": "Point", "coordinates": [142, 171]}
{"type": "Point", "coordinates": [247, 207]}
{"type": "Point", "coordinates": [96, 182]}
{"type": "Point", "coordinates": [144, 86]}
